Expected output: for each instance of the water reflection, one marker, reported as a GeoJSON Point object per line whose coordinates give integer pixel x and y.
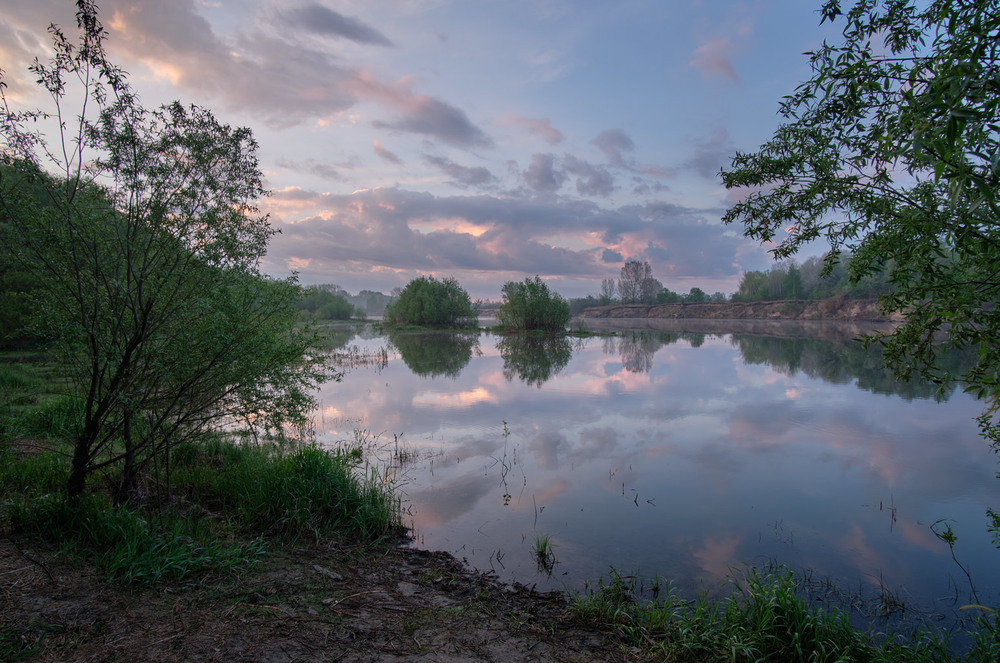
{"type": "Point", "coordinates": [431, 354]}
{"type": "Point", "coordinates": [533, 359]}
{"type": "Point", "coordinates": [684, 453]}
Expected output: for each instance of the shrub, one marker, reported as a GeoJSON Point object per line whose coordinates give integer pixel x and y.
{"type": "Point", "coordinates": [529, 305]}
{"type": "Point", "coordinates": [427, 302]}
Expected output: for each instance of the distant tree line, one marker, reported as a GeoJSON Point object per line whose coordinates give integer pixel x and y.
{"type": "Point", "coordinates": [816, 278]}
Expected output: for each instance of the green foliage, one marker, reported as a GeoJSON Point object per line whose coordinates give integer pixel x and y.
{"type": "Point", "coordinates": [306, 493]}
{"type": "Point", "coordinates": [435, 353]}
{"type": "Point", "coordinates": [578, 304]}
{"type": "Point", "coordinates": [317, 303]}
{"type": "Point", "coordinates": [544, 553]}
{"type": "Point", "coordinates": [125, 546]}
{"type": "Point", "coordinates": [890, 151]}
{"type": "Point", "coordinates": [763, 618]}
{"type": "Point", "coordinates": [668, 296]}
{"type": "Point", "coordinates": [813, 279]}
{"type": "Point", "coordinates": [149, 290]}
{"type": "Point", "coordinates": [529, 305]}
{"type": "Point", "coordinates": [534, 359]}
{"type": "Point", "coordinates": [428, 302]}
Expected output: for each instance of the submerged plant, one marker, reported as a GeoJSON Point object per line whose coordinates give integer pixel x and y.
{"type": "Point", "coordinates": [543, 553]}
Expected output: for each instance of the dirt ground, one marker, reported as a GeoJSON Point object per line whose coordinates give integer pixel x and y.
{"type": "Point", "coordinates": [329, 602]}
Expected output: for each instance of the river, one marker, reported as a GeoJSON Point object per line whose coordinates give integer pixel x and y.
{"type": "Point", "coordinates": [681, 453]}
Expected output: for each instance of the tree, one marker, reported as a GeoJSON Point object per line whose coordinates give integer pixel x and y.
{"type": "Point", "coordinates": [608, 291]}
{"type": "Point", "coordinates": [649, 289]}
{"type": "Point", "coordinates": [529, 305]}
{"type": "Point", "coordinates": [634, 282]}
{"type": "Point", "coordinates": [146, 247]}
{"type": "Point", "coordinates": [428, 302]}
{"type": "Point", "coordinates": [668, 296]}
{"type": "Point", "coordinates": [319, 303]}
{"type": "Point", "coordinates": [695, 296]}
{"type": "Point", "coordinates": [890, 150]}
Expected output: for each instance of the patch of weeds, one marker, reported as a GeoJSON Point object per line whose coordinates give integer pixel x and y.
{"type": "Point", "coordinates": [23, 644]}
{"type": "Point", "coordinates": [36, 473]}
{"type": "Point", "coordinates": [15, 646]}
{"type": "Point", "coordinates": [609, 603]}
{"type": "Point", "coordinates": [544, 554]}
{"type": "Point", "coordinates": [57, 418]}
{"type": "Point", "coordinates": [124, 545]}
{"type": "Point", "coordinates": [430, 576]}
{"type": "Point", "coordinates": [763, 618]}
{"type": "Point", "coordinates": [304, 493]}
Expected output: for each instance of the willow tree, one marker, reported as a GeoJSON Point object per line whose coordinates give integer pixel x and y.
{"type": "Point", "coordinates": [891, 150]}
{"type": "Point", "coordinates": [142, 229]}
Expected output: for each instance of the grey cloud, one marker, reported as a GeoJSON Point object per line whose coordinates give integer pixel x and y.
{"type": "Point", "coordinates": [386, 154]}
{"type": "Point", "coordinates": [594, 181]}
{"type": "Point", "coordinates": [538, 126]}
{"type": "Point", "coordinates": [433, 117]}
{"type": "Point", "coordinates": [613, 142]}
{"type": "Point", "coordinates": [711, 153]}
{"type": "Point", "coordinates": [542, 175]}
{"type": "Point", "coordinates": [323, 170]}
{"type": "Point", "coordinates": [461, 175]}
{"type": "Point", "coordinates": [378, 230]}
{"type": "Point", "coordinates": [612, 256]}
{"type": "Point", "coordinates": [263, 74]}
{"type": "Point", "coordinates": [326, 22]}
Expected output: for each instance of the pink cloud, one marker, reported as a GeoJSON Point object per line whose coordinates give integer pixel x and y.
{"type": "Point", "coordinates": [385, 154]}
{"type": "Point", "coordinates": [540, 126]}
{"type": "Point", "coordinates": [713, 56]}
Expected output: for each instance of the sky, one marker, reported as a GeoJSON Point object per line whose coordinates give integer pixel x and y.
{"type": "Point", "coordinates": [485, 140]}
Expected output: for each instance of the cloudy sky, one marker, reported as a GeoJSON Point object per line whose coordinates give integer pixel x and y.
{"type": "Point", "coordinates": [489, 140]}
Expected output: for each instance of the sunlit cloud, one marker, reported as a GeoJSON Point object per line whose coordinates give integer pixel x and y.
{"type": "Point", "coordinates": [386, 154]}
{"type": "Point", "coordinates": [419, 113]}
{"type": "Point", "coordinates": [538, 126]}
{"type": "Point", "coordinates": [713, 58]}
{"type": "Point", "coordinates": [459, 400]}
{"type": "Point", "coordinates": [716, 554]}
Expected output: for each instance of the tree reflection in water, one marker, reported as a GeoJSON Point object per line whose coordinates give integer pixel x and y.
{"type": "Point", "coordinates": [432, 354]}
{"type": "Point", "coordinates": [534, 359]}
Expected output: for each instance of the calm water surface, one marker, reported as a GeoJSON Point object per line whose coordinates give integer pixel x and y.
{"type": "Point", "coordinates": [680, 455]}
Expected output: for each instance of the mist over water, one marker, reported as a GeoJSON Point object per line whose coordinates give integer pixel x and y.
{"type": "Point", "coordinates": [683, 453]}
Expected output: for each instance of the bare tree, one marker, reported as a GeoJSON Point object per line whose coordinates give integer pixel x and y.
{"type": "Point", "coordinates": [608, 291]}
{"type": "Point", "coordinates": [633, 276]}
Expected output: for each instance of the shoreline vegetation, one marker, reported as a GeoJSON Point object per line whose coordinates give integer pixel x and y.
{"type": "Point", "coordinates": [835, 308]}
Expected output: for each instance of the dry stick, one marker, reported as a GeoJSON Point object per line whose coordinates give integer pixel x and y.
{"type": "Point", "coordinates": [33, 561]}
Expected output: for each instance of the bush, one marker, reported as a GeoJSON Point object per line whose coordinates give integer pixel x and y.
{"type": "Point", "coordinates": [303, 494]}
{"type": "Point", "coordinates": [427, 302]}
{"type": "Point", "coordinates": [126, 546]}
{"type": "Point", "coordinates": [320, 304]}
{"type": "Point", "coordinates": [529, 305]}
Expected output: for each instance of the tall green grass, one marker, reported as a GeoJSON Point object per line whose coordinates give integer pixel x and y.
{"type": "Point", "coordinates": [764, 618]}
{"type": "Point", "coordinates": [125, 545]}
{"type": "Point", "coordinates": [305, 493]}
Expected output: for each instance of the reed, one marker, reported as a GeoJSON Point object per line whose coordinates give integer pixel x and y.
{"type": "Point", "coordinates": [763, 618]}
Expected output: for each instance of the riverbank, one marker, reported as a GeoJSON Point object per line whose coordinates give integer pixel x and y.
{"type": "Point", "coordinates": [330, 601]}
{"type": "Point", "coordinates": [866, 310]}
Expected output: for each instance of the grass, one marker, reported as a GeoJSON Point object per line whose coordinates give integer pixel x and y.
{"type": "Point", "coordinates": [764, 618]}
{"type": "Point", "coordinates": [305, 493]}
{"type": "Point", "coordinates": [226, 499]}
{"type": "Point", "coordinates": [543, 553]}
{"type": "Point", "coordinates": [125, 545]}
